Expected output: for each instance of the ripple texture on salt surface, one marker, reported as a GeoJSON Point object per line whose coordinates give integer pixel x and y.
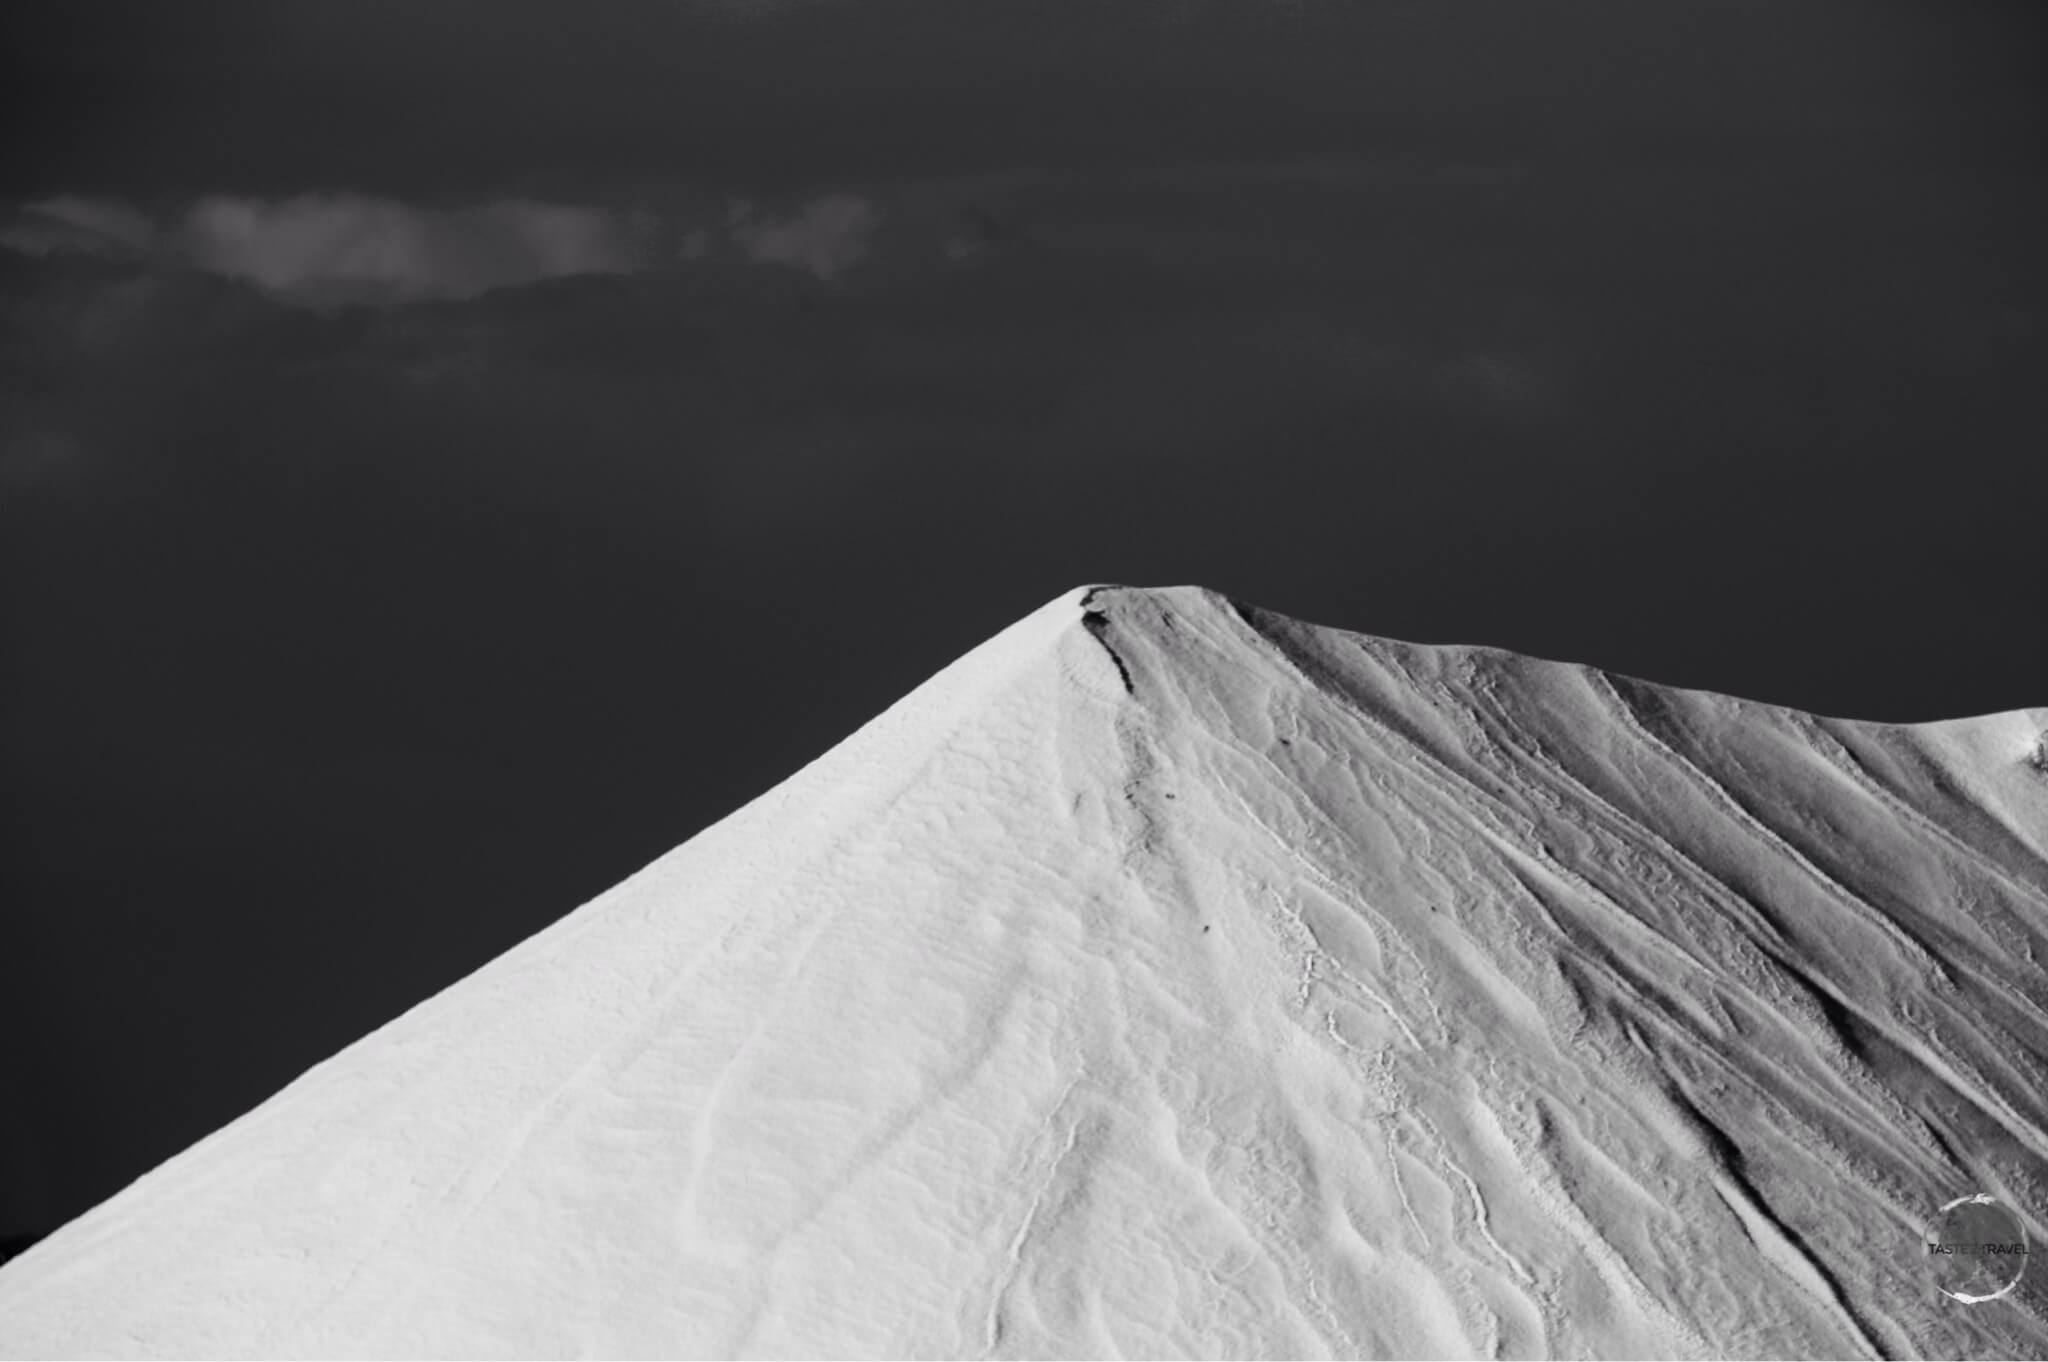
{"type": "Point", "coordinates": [1171, 978]}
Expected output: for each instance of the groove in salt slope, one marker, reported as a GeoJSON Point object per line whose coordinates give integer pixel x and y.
{"type": "Point", "coordinates": [1650, 934]}
{"type": "Point", "coordinates": [1384, 933]}
{"type": "Point", "coordinates": [1964, 1078]}
{"type": "Point", "coordinates": [1477, 1209]}
{"type": "Point", "coordinates": [1301, 650]}
{"type": "Point", "coordinates": [1421, 763]}
{"type": "Point", "coordinates": [1423, 768]}
{"type": "Point", "coordinates": [1540, 1288]}
{"type": "Point", "coordinates": [1753, 971]}
{"type": "Point", "coordinates": [1784, 1115]}
{"type": "Point", "coordinates": [1593, 954]}
{"type": "Point", "coordinates": [1913, 748]}
{"type": "Point", "coordinates": [1738, 958]}
{"type": "Point", "coordinates": [1881, 1027]}
{"type": "Point", "coordinates": [1860, 909]}
{"type": "Point", "coordinates": [1458, 793]}
{"type": "Point", "coordinates": [1776, 1245]}
{"type": "Point", "coordinates": [1907, 1205]}
{"type": "Point", "coordinates": [1628, 831]}
{"type": "Point", "coordinates": [1820, 1125]}
{"type": "Point", "coordinates": [1959, 954]}
{"type": "Point", "coordinates": [1014, 1258]}
{"type": "Point", "coordinates": [1623, 990]}
{"type": "Point", "coordinates": [1971, 904]}
{"type": "Point", "coordinates": [1400, 1184]}
{"type": "Point", "coordinates": [2007, 991]}
{"type": "Point", "coordinates": [1780, 1244]}
{"type": "Point", "coordinates": [1831, 749]}
{"type": "Point", "coordinates": [1951, 1068]}
{"type": "Point", "coordinates": [1855, 1071]}
{"type": "Point", "coordinates": [1553, 1197]}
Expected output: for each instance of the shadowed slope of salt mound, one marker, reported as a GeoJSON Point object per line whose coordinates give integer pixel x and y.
{"type": "Point", "coordinates": [1166, 977]}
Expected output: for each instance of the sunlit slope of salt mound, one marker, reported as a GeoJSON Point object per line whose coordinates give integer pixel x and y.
{"type": "Point", "coordinates": [1170, 978]}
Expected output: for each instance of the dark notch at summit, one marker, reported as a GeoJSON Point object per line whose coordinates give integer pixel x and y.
{"type": "Point", "coordinates": [1096, 621]}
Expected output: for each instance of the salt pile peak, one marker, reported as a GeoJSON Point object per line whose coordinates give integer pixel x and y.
{"type": "Point", "coordinates": [1168, 977]}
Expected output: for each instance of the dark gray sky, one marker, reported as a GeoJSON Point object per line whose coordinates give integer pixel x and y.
{"type": "Point", "coordinates": [451, 452]}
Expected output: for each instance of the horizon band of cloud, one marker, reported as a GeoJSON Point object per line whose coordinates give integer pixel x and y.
{"type": "Point", "coordinates": [354, 248]}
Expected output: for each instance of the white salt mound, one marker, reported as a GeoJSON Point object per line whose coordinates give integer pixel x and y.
{"type": "Point", "coordinates": [1169, 978]}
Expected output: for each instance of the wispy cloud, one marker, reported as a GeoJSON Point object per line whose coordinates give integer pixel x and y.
{"type": "Point", "coordinates": [825, 237]}
{"type": "Point", "coordinates": [68, 223]}
{"type": "Point", "coordinates": [351, 247]}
